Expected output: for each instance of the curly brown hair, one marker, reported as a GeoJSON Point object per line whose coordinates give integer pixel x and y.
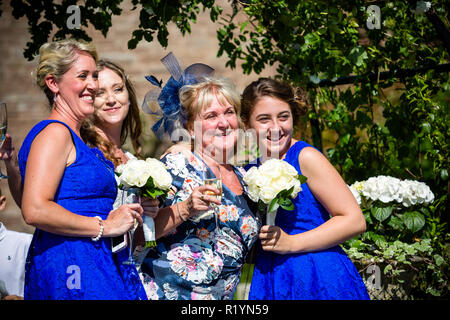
{"type": "Point", "coordinates": [131, 126]}
{"type": "Point", "coordinates": [296, 98]}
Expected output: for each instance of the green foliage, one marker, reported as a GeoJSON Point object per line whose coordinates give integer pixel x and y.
{"type": "Point", "coordinates": [399, 238]}
{"type": "Point", "coordinates": [43, 16]}
{"type": "Point", "coordinates": [154, 16]}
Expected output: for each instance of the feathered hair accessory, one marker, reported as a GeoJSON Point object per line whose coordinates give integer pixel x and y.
{"type": "Point", "coordinates": [164, 103]}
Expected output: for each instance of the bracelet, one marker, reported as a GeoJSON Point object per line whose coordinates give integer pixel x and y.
{"type": "Point", "coordinates": [179, 214]}
{"type": "Point", "coordinates": [100, 233]}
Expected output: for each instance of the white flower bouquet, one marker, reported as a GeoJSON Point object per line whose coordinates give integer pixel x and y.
{"type": "Point", "coordinates": [153, 180]}
{"type": "Point", "coordinates": [273, 184]}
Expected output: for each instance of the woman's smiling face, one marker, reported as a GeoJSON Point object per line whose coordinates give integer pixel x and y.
{"type": "Point", "coordinates": [112, 100]}
{"type": "Point", "coordinates": [78, 86]}
{"type": "Point", "coordinates": [272, 120]}
{"type": "Point", "coordinates": [219, 128]}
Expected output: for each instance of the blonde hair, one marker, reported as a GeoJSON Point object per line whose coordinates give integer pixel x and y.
{"type": "Point", "coordinates": [196, 97]}
{"type": "Point", "coordinates": [55, 58]}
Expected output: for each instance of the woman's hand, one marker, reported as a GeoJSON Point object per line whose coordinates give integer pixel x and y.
{"type": "Point", "coordinates": [9, 156]}
{"type": "Point", "coordinates": [170, 217]}
{"type": "Point", "coordinates": [121, 219]}
{"type": "Point", "coordinates": [6, 149]}
{"type": "Point", "coordinates": [12, 297]}
{"type": "Point", "coordinates": [200, 201]}
{"type": "Point", "coordinates": [274, 239]}
{"type": "Point", "coordinates": [150, 206]}
{"type": "Point", "coordinates": [180, 147]}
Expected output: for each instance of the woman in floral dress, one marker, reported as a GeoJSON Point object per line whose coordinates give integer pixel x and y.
{"type": "Point", "coordinates": [201, 248]}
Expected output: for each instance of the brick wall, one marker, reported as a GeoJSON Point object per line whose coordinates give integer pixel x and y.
{"type": "Point", "coordinates": [27, 104]}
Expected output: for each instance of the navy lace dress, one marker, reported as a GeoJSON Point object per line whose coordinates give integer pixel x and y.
{"type": "Point", "coordinates": [323, 275]}
{"type": "Point", "coordinates": [63, 267]}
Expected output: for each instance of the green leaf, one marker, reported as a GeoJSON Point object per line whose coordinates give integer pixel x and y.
{"type": "Point", "coordinates": [358, 55]}
{"type": "Point", "coordinates": [285, 193]}
{"type": "Point", "coordinates": [387, 268]}
{"type": "Point", "coordinates": [378, 239]}
{"type": "Point", "coordinates": [286, 204]}
{"type": "Point", "coordinates": [444, 174]}
{"type": "Point", "coordinates": [439, 260]}
{"type": "Point", "coordinates": [273, 205]}
{"type": "Point", "coordinates": [243, 25]}
{"type": "Point", "coordinates": [414, 221]}
{"type": "Point", "coordinates": [302, 178]}
{"type": "Point", "coordinates": [381, 214]}
{"type": "Point", "coordinates": [395, 222]}
{"type": "Point", "coordinates": [261, 206]}
{"type": "Point", "coordinates": [367, 216]}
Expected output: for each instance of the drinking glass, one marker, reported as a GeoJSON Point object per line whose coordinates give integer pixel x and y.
{"type": "Point", "coordinates": [3, 128]}
{"type": "Point", "coordinates": [131, 195]}
{"type": "Point", "coordinates": [209, 178]}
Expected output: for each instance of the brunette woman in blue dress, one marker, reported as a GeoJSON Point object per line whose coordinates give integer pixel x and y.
{"type": "Point", "coordinates": [300, 257]}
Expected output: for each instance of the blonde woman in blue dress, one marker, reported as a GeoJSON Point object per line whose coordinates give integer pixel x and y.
{"type": "Point", "coordinates": [69, 190]}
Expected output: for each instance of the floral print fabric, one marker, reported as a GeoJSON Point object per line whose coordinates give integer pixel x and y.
{"type": "Point", "coordinates": [198, 260]}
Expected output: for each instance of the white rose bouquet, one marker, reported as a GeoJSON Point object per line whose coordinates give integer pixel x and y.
{"type": "Point", "coordinates": [273, 184]}
{"type": "Point", "coordinates": [153, 180]}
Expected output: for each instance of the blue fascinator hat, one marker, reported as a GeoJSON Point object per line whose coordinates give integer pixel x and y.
{"type": "Point", "coordinates": [164, 103]}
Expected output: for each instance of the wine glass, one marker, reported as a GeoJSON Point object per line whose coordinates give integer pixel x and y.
{"type": "Point", "coordinates": [131, 195]}
{"type": "Point", "coordinates": [3, 128]}
{"type": "Point", "coordinates": [209, 178]}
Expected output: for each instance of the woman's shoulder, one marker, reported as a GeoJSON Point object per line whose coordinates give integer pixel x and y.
{"type": "Point", "coordinates": [54, 128]}
{"type": "Point", "coordinates": [49, 131]}
{"type": "Point", "coordinates": [52, 136]}
{"type": "Point", "coordinates": [312, 161]}
{"type": "Point", "coordinates": [299, 146]}
{"type": "Point", "coordinates": [309, 152]}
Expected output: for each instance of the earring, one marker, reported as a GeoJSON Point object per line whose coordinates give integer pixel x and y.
{"type": "Point", "coordinates": [192, 143]}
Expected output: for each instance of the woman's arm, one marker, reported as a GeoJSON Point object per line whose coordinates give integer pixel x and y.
{"type": "Point", "coordinates": [333, 193]}
{"type": "Point", "coordinates": [51, 151]}
{"type": "Point", "coordinates": [8, 154]}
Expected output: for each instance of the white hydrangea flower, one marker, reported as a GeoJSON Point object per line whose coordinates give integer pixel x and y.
{"type": "Point", "coordinates": [355, 194]}
{"type": "Point", "coordinates": [389, 189]}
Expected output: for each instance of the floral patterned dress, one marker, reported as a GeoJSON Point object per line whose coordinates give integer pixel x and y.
{"type": "Point", "coordinates": [198, 260]}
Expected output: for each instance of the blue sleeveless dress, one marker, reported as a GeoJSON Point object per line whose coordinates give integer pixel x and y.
{"type": "Point", "coordinates": [323, 275]}
{"type": "Point", "coordinates": [62, 267]}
